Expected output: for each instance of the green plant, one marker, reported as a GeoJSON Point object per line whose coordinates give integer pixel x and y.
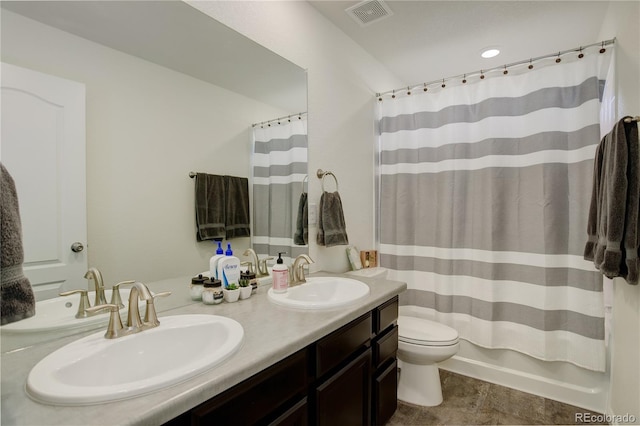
{"type": "Point", "coordinates": [232, 286]}
{"type": "Point", "coordinates": [244, 283]}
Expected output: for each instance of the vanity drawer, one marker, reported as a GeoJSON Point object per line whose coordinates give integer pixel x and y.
{"type": "Point", "coordinates": [385, 347]}
{"type": "Point", "coordinates": [339, 345]}
{"type": "Point", "coordinates": [385, 315]}
{"type": "Point", "coordinates": [258, 397]}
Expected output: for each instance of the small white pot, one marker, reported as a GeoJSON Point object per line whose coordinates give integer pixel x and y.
{"type": "Point", "coordinates": [231, 295]}
{"type": "Point", "coordinates": [245, 292]}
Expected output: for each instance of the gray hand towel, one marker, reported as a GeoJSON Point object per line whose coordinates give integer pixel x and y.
{"type": "Point", "coordinates": [210, 207]}
{"type": "Point", "coordinates": [301, 236]}
{"type": "Point", "coordinates": [332, 230]}
{"type": "Point", "coordinates": [613, 220]}
{"type": "Point", "coordinates": [237, 223]}
{"type": "Point", "coordinates": [17, 299]}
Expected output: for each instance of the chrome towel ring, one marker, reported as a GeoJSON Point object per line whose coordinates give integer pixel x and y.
{"type": "Point", "coordinates": [322, 174]}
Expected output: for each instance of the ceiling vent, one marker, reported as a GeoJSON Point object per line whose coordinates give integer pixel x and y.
{"type": "Point", "coordinates": [369, 11]}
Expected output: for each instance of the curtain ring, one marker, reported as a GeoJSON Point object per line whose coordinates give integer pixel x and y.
{"type": "Point", "coordinates": [481, 75]}
{"type": "Point", "coordinates": [530, 64]}
{"type": "Point", "coordinates": [558, 58]}
{"type": "Point", "coordinates": [602, 49]}
{"type": "Point", "coordinates": [443, 85]}
{"type": "Point", "coordinates": [580, 55]}
{"type": "Point", "coordinates": [393, 95]}
{"type": "Point", "coordinates": [505, 72]}
{"type": "Point", "coordinates": [464, 79]}
{"type": "Point", "coordinates": [425, 87]}
{"type": "Point", "coordinates": [408, 90]}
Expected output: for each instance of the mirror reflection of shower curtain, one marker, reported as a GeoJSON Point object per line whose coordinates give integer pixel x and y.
{"type": "Point", "coordinates": [279, 171]}
{"type": "Point", "coordinates": [484, 195]}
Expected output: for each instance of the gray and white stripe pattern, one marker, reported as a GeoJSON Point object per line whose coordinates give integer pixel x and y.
{"type": "Point", "coordinates": [279, 168]}
{"type": "Point", "coordinates": [484, 191]}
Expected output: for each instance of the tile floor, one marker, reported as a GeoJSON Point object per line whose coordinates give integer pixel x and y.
{"type": "Point", "coordinates": [469, 401]}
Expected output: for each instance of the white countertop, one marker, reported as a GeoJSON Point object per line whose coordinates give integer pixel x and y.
{"type": "Point", "coordinates": [271, 334]}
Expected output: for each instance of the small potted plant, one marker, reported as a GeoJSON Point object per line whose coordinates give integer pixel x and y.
{"type": "Point", "coordinates": [245, 289]}
{"type": "Point", "coordinates": [231, 292]}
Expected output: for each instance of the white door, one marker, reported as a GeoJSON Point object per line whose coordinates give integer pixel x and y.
{"type": "Point", "coordinates": [43, 148]}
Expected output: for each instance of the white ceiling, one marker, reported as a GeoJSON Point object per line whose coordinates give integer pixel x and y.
{"type": "Point", "coordinates": [175, 35]}
{"type": "Point", "coordinates": [424, 41]}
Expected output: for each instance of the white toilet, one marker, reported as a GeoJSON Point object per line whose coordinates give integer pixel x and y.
{"type": "Point", "coordinates": [422, 344]}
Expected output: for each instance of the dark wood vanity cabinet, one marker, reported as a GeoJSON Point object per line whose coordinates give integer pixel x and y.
{"type": "Point", "coordinates": [348, 377]}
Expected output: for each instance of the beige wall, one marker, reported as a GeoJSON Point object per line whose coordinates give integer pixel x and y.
{"type": "Point", "coordinates": [621, 22]}
{"type": "Point", "coordinates": [147, 127]}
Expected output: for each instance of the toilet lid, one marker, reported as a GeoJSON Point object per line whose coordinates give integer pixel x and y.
{"type": "Point", "coordinates": [421, 331]}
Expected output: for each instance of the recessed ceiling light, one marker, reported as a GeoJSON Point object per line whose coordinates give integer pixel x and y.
{"type": "Point", "coordinates": [490, 52]}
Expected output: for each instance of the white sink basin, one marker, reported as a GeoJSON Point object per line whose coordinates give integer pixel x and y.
{"type": "Point", "coordinates": [59, 313]}
{"type": "Point", "coordinates": [321, 293]}
{"type": "Point", "coordinates": [95, 370]}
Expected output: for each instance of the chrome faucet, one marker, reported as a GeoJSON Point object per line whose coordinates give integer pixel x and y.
{"type": "Point", "coordinates": [254, 260]}
{"type": "Point", "coordinates": [95, 275]}
{"type": "Point", "coordinates": [261, 269]}
{"type": "Point", "coordinates": [100, 299]}
{"type": "Point", "coordinates": [135, 323]}
{"type": "Point", "coordinates": [297, 269]}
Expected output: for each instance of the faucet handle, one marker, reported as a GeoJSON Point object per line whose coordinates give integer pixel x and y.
{"type": "Point", "coordinates": [115, 293]}
{"type": "Point", "coordinates": [115, 327]}
{"type": "Point", "coordinates": [150, 316]}
{"type": "Point", "coordinates": [84, 302]}
{"type": "Point", "coordinates": [249, 264]}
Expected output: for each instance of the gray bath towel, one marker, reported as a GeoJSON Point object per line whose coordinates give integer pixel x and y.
{"type": "Point", "coordinates": [612, 227]}
{"type": "Point", "coordinates": [210, 207]}
{"type": "Point", "coordinates": [17, 299]}
{"type": "Point", "coordinates": [332, 230]}
{"type": "Point", "coordinates": [301, 236]}
{"type": "Point", "coordinates": [237, 223]}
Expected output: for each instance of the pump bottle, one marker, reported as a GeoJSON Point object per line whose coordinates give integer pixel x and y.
{"type": "Point", "coordinates": [213, 262]}
{"type": "Point", "coordinates": [229, 269]}
{"type": "Point", "coordinates": [280, 274]}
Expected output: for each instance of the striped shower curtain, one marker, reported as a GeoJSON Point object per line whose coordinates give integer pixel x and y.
{"type": "Point", "coordinates": [279, 171]}
{"type": "Point", "coordinates": [484, 189]}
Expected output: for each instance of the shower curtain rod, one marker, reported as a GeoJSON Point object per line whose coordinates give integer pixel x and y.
{"type": "Point", "coordinates": [482, 72]}
{"type": "Point", "coordinates": [288, 117]}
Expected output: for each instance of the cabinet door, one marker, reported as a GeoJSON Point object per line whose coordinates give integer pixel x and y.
{"type": "Point", "coordinates": [385, 394]}
{"type": "Point", "coordinates": [345, 398]}
{"type": "Point", "coordinates": [295, 416]}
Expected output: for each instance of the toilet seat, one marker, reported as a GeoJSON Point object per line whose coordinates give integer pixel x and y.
{"type": "Point", "coordinates": [420, 331]}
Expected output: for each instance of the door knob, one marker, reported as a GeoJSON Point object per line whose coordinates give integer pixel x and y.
{"type": "Point", "coordinates": [77, 247]}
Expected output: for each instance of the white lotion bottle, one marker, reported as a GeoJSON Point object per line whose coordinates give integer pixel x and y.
{"type": "Point", "coordinates": [229, 269]}
{"type": "Point", "coordinates": [280, 274]}
{"type": "Point", "coordinates": [213, 262]}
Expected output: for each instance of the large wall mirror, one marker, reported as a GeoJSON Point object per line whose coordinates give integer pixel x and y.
{"type": "Point", "coordinates": [169, 90]}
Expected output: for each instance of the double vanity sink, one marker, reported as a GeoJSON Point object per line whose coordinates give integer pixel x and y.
{"type": "Point", "coordinates": [196, 350]}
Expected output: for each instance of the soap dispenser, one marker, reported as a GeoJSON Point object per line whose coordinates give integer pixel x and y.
{"type": "Point", "coordinates": [280, 274]}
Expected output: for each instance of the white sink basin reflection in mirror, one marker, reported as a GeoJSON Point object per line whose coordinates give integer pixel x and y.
{"type": "Point", "coordinates": [59, 313]}
{"type": "Point", "coordinates": [321, 293]}
{"type": "Point", "coordinates": [95, 370]}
